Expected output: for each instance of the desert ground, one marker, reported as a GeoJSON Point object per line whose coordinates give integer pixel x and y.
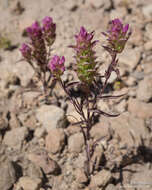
{"type": "Point", "coordinates": [40, 149]}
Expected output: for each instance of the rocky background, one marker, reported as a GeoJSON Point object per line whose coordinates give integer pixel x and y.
{"type": "Point", "coordinates": [39, 147]}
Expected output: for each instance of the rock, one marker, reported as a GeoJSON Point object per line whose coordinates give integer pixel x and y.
{"type": "Point", "coordinates": [100, 129]}
{"type": "Point", "coordinates": [21, 68]}
{"type": "Point", "coordinates": [3, 123]}
{"type": "Point", "coordinates": [99, 4]}
{"type": "Point", "coordinates": [111, 187]}
{"type": "Point", "coordinates": [148, 45]}
{"type": "Point", "coordinates": [80, 176]}
{"type": "Point", "coordinates": [16, 137]}
{"type": "Point", "coordinates": [131, 81]}
{"type": "Point", "coordinates": [28, 120]}
{"type": "Point", "coordinates": [144, 90]}
{"type": "Point", "coordinates": [75, 143]}
{"type": "Point", "coordinates": [7, 175]}
{"type": "Point", "coordinates": [48, 165]}
{"type": "Point", "coordinates": [136, 37]}
{"type": "Point", "coordinates": [1, 138]}
{"type": "Point", "coordinates": [96, 159]}
{"type": "Point", "coordinates": [134, 108]}
{"type": "Point", "coordinates": [28, 183]}
{"type": "Point", "coordinates": [145, 175]}
{"type": "Point", "coordinates": [127, 126]}
{"type": "Point", "coordinates": [101, 179]}
{"type": "Point", "coordinates": [71, 5]}
{"type": "Point", "coordinates": [70, 130]}
{"type": "Point", "coordinates": [12, 79]}
{"type": "Point", "coordinates": [121, 107]}
{"type": "Point", "coordinates": [147, 11]}
{"type": "Point", "coordinates": [14, 122]}
{"type": "Point", "coordinates": [130, 58]}
{"type": "Point", "coordinates": [147, 68]}
{"type": "Point", "coordinates": [51, 117]}
{"type": "Point", "coordinates": [148, 31]}
{"type": "Point", "coordinates": [118, 13]}
{"type": "Point", "coordinates": [33, 171]}
{"type": "Point", "coordinates": [113, 77]}
{"type": "Point", "coordinates": [55, 141]}
{"type": "Point", "coordinates": [39, 132]}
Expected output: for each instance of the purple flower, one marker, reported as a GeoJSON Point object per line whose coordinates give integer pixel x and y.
{"type": "Point", "coordinates": [56, 65]}
{"type": "Point", "coordinates": [34, 31]}
{"type": "Point", "coordinates": [83, 40]}
{"type": "Point", "coordinates": [49, 29]}
{"type": "Point", "coordinates": [85, 56]}
{"type": "Point", "coordinates": [117, 35]}
{"type": "Point", "coordinates": [26, 51]}
{"type": "Point", "coordinates": [47, 21]}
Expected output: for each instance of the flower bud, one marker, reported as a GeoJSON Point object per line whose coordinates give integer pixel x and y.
{"type": "Point", "coordinates": [34, 31]}
{"type": "Point", "coordinates": [49, 29]}
{"type": "Point", "coordinates": [26, 51]}
{"type": "Point", "coordinates": [56, 65]}
{"type": "Point", "coordinates": [117, 35]}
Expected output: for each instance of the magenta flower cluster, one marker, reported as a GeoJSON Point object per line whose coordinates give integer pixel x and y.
{"type": "Point", "coordinates": [26, 51]}
{"type": "Point", "coordinates": [36, 49]}
{"type": "Point", "coordinates": [85, 56]}
{"type": "Point", "coordinates": [117, 35]}
{"type": "Point", "coordinates": [56, 65]}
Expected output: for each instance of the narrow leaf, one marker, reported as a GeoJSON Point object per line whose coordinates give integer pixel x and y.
{"type": "Point", "coordinates": [104, 113]}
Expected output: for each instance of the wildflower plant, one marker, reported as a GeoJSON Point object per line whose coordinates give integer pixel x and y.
{"type": "Point", "coordinates": [86, 69]}
{"type": "Point", "coordinates": [37, 51]}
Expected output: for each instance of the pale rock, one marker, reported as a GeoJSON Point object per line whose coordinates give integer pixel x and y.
{"type": "Point", "coordinates": [127, 126]}
{"type": "Point", "coordinates": [75, 143]}
{"type": "Point", "coordinates": [55, 141]}
{"type": "Point", "coordinates": [96, 159]}
{"type": "Point", "coordinates": [71, 5]}
{"type": "Point", "coordinates": [130, 58]}
{"type": "Point", "coordinates": [113, 77]}
{"type": "Point", "coordinates": [1, 138]}
{"type": "Point", "coordinates": [3, 123]}
{"type": "Point", "coordinates": [132, 92]}
{"type": "Point", "coordinates": [147, 11]}
{"type": "Point", "coordinates": [7, 175]}
{"type": "Point", "coordinates": [101, 179]}
{"type": "Point", "coordinates": [148, 33]}
{"type": "Point", "coordinates": [14, 122]}
{"type": "Point", "coordinates": [16, 137]}
{"type": "Point", "coordinates": [136, 37]}
{"type": "Point", "coordinates": [148, 45]}
{"type": "Point", "coordinates": [21, 68]}
{"type": "Point", "coordinates": [70, 130]}
{"type": "Point", "coordinates": [33, 171]}
{"type": "Point", "coordinates": [28, 183]}
{"type": "Point", "coordinates": [111, 187]}
{"type": "Point", "coordinates": [100, 129]}
{"type": "Point", "coordinates": [143, 173]}
{"type": "Point", "coordinates": [140, 109]}
{"type": "Point", "coordinates": [131, 81]}
{"type": "Point", "coordinates": [118, 13]}
{"type": "Point", "coordinates": [29, 120]}
{"type": "Point", "coordinates": [106, 4]}
{"type": "Point", "coordinates": [51, 117]}
{"type": "Point", "coordinates": [144, 90]}
{"type": "Point", "coordinates": [80, 176]}
{"type": "Point", "coordinates": [39, 132]}
{"type": "Point", "coordinates": [147, 68]}
{"type": "Point", "coordinates": [48, 165]}
{"type": "Point", "coordinates": [121, 107]}
{"type": "Point", "coordinates": [102, 104]}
